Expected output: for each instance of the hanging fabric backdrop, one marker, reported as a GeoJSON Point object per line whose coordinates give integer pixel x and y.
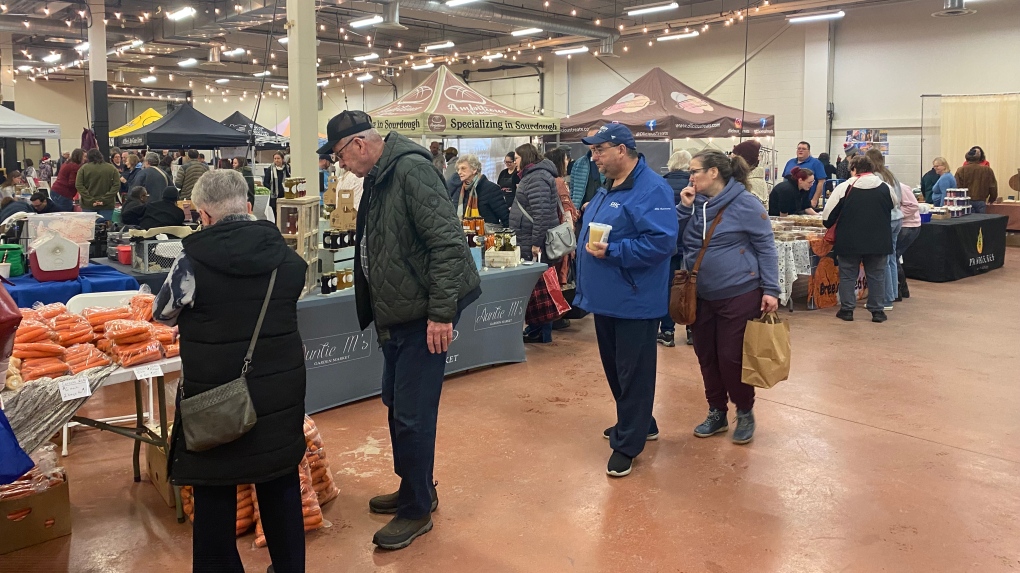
{"type": "Point", "coordinates": [989, 121]}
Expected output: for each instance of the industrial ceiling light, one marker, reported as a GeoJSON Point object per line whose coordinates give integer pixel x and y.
{"type": "Point", "coordinates": [260, 74]}
{"type": "Point", "coordinates": [187, 63]}
{"type": "Point", "coordinates": [222, 80]}
{"type": "Point", "coordinates": [526, 32]}
{"type": "Point", "coordinates": [84, 46]}
{"type": "Point", "coordinates": [283, 40]}
{"type": "Point", "coordinates": [815, 16]}
{"type": "Point", "coordinates": [454, 3]}
{"type": "Point", "coordinates": [417, 67]}
{"type": "Point", "coordinates": [278, 86]}
{"type": "Point", "coordinates": [650, 8]}
{"type": "Point", "coordinates": [370, 21]}
{"type": "Point", "coordinates": [366, 57]}
{"type": "Point", "coordinates": [365, 78]}
{"type": "Point", "coordinates": [568, 51]}
{"type": "Point", "coordinates": [148, 79]}
{"type": "Point", "coordinates": [234, 52]}
{"type": "Point", "coordinates": [24, 68]}
{"type": "Point", "coordinates": [678, 36]}
{"type": "Point", "coordinates": [438, 46]}
{"type": "Point", "coordinates": [181, 14]}
{"type": "Point", "coordinates": [495, 56]}
{"type": "Point", "coordinates": [52, 58]}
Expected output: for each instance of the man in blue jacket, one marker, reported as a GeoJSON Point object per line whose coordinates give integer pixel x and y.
{"type": "Point", "coordinates": [622, 281]}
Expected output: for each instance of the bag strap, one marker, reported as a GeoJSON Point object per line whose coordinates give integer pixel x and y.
{"type": "Point", "coordinates": [258, 325]}
{"type": "Point", "coordinates": [704, 244]}
{"type": "Point", "coordinates": [845, 196]}
{"type": "Point", "coordinates": [525, 213]}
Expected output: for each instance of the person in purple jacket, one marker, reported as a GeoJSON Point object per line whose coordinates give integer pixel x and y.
{"type": "Point", "coordinates": [737, 281]}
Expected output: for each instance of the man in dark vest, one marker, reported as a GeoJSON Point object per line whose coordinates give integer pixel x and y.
{"type": "Point", "coordinates": [413, 275]}
{"type": "Point", "coordinates": [214, 293]}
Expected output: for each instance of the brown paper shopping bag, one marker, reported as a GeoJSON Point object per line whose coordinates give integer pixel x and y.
{"type": "Point", "coordinates": [766, 359]}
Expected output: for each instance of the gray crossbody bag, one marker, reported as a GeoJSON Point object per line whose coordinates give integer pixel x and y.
{"type": "Point", "coordinates": [560, 241]}
{"type": "Point", "coordinates": [225, 413]}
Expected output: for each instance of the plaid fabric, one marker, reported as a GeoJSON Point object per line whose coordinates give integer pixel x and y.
{"type": "Point", "coordinates": [547, 302]}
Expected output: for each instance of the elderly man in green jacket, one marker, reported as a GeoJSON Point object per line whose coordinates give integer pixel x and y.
{"type": "Point", "coordinates": [413, 275]}
{"type": "Point", "coordinates": [98, 183]}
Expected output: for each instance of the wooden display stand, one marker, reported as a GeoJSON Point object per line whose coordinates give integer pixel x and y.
{"type": "Point", "coordinates": [298, 220]}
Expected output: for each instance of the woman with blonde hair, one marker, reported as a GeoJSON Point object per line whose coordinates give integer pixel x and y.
{"type": "Point", "coordinates": [945, 181]}
{"type": "Point", "coordinates": [895, 223]}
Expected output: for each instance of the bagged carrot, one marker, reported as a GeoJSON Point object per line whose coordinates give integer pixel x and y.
{"type": "Point", "coordinates": [38, 350]}
{"type": "Point", "coordinates": [33, 331]}
{"type": "Point", "coordinates": [141, 306]}
{"type": "Point", "coordinates": [81, 357]}
{"type": "Point", "coordinates": [172, 350]}
{"type": "Point", "coordinates": [30, 314]}
{"type": "Point", "coordinates": [36, 368]}
{"type": "Point", "coordinates": [139, 353]}
{"type": "Point", "coordinates": [70, 329]}
{"type": "Point", "coordinates": [98, 317]}
{"type": "Point", "coordinates": [48, 311]}
{"type": "Point", "coordinates": [124, 332]}
{"type": "Point", "coordinates": [164, 334]}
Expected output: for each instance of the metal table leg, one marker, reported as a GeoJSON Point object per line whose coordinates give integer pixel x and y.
{"type": "Point", "coordinates": [139, 429]}
{"type": "Point", "coordinates": [163, 435]}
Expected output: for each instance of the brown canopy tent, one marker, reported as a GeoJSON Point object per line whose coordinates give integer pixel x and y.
{"type": "Point", "coordinates": [659, 106]}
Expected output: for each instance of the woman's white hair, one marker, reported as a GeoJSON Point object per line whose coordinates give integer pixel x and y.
{"type": "Point", "coordinates": [472, 161]}
{"type": "Point", "coordinates": [220, 193]}
{"type": "Point", "coordinates": [679, 161]}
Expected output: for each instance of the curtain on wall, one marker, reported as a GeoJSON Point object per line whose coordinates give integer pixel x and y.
{"type": "Point", "coordinates": [991, 122]}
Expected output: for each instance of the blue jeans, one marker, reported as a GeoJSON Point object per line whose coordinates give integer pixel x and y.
{"type": "Point", "coordinates": [411, 385]}
{"type": "Point", "coordinates": [978, 206]}
{"type": "Point", "coordinates": [105, 214]}
{"type": "Point", "coordinates": [62, 203]}
{"type": "Point", "coordinates": [891, 274]}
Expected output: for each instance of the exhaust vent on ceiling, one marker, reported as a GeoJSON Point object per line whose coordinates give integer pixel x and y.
{"type": "Point", "coordinates": [214, 57]}
{"type": "Point", "coordinates": [391, 17]}
{"type": "Point", "coordinates": [954, 8]}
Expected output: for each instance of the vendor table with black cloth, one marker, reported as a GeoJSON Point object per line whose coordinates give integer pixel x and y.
{"type": "Point", "coordinates": [951, 249]}
{"type": "Point", "coordinates": [93, 278]}
{"type": "Point", "coordinates": [345, 364]}
{"type": "Point", "coordinates": [154, 280]}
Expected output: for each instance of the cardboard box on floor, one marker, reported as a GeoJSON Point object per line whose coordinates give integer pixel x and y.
{"type": "Point", "coordinates": [344, 218]}
{"type": "Point", "coordinates": [49, 518]}
{"type": "Point", "coordinates": [155, 464]}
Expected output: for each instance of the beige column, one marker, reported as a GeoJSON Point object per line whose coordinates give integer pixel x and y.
{"type": "Point", "coordinates": [301, 78]}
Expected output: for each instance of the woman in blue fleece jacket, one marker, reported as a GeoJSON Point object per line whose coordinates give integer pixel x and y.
{"type": "Point", "coordinates": [737, 281]}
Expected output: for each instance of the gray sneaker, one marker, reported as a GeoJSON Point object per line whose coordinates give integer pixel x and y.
{"type": "Point", "coordinates": [745, 427]}
{"type": "Point", "coordinates": [713, 424]}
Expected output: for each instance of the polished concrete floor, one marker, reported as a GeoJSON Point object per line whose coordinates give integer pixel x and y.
{"type": "Point", "coordinates": [893, 447]}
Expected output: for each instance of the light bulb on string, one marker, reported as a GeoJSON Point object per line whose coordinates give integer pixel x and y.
{"type": "Point", "coordinates": [598, 22]}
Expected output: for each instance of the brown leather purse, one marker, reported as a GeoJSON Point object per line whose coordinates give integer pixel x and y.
{"type": "Point", "coordinates": [683, 295]}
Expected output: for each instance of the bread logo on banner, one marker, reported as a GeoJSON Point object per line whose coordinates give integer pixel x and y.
{"type": "Point", "coordinates": [419, 94]}
{"type": "Point", "coordinates": [691, 104]}
{"type": "Point", "coordinates": [981, 241]}
{"type": "Point", "coordinates": [629, 103]}
{"type": "Point", "coordinates": [460, 94]}
{"type": "Point", "coordinates": [437, 122]}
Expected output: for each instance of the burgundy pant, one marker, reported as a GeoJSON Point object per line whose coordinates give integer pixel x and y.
{"type": "Point", "coordinates": [718, 342]}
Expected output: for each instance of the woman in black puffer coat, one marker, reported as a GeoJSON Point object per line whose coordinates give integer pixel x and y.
{"type": "Point", "coordinates": [536, 196]}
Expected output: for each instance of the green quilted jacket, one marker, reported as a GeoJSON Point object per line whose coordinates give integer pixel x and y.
{"type": "Point", "coordinates": [418, 261]}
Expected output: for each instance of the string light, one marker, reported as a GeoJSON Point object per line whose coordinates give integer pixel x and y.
{"type": "Point", "coordinates": [598, 22]}
{"type": "Point", "coordinates": [573, 12]}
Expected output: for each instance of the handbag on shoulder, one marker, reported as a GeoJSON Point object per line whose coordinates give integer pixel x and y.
{"type": "Point", "coordinates": [225, 413]}
{"type": "Point", "coordinates": [560, 240]}
{"type": "Point", "coordinates": [683, 295]}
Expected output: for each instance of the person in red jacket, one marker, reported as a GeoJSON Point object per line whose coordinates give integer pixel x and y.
{"type": "Point", "coordinates": [63, 188]}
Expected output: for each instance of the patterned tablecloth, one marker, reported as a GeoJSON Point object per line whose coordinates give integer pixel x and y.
{"type": "Point", "coordinates": [794, 260]}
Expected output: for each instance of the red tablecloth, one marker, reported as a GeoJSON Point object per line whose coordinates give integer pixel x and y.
{"type": "Point", "coordinates": [1011, 210]}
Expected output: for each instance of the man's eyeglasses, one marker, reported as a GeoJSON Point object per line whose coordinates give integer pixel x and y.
{"type": "Point", "coordinates": [600, 150]}
{"type": "Point", "coordinates": [339, 154]}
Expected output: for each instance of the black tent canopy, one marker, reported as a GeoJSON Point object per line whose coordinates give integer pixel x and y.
{"type": "Point", "coordinates": [265, 138]}
{"type": "Point", "coordinates": [182, 128]}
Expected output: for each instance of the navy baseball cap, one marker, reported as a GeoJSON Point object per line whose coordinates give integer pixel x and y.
{"type": "Point", "coordinates": [343, 124]}
{"type": "Point", "coordinates": [615, 133]}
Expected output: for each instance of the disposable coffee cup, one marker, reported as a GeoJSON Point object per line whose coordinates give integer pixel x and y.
{"type": "Point", "coordinates": [598, 233]}
{"type": "Point", "coordinates": [5, 270]}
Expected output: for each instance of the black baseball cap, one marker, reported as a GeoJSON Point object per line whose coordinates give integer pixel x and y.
{"type": "Point", "coordinates": [343, 124]}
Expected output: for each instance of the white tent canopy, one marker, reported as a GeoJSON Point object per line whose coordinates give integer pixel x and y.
{"type": "Point", "coordinates": [17, 126]}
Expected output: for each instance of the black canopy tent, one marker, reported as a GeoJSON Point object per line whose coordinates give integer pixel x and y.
{"type": "Point", "coordinates": [265, 138]}
{"type": "Point", "coordinates": [184, 127]}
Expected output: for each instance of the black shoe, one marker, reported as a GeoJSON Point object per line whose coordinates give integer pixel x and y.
{"type": "Point", "coordinates": [651, 437]}
{"type": "Point", "coordinates": [619, 464]}
{"type": "Point", "coordinates": [879, 316]}
{"type": "Point", "coordinates": [690, 337]}
{"type": "Point", "coordinates": [561, 323]}
{"type": "Point", "coordinates": [666, 339]}
{"type": "Point", "coordinates": [713, 424]}
{"type": "Point", "coordinates": [400, 532]}
{"type": "Point", "coordinates": [898, 299]}
{"type": "Point", "coordinates": [745, 427]}
{"type": "Point", "coordinates": [535, 339]}
{"type": "Point", "coordinates": [389, 503]}
{"type": "Point", "coordinates": [847, 315]}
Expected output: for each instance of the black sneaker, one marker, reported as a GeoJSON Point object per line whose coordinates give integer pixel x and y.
{"type": "Point", "coordinates": [666, 339]}
{"type": "Point", "coordinates": [745, 427]}
{"type": "Point", "coordinates": [619, 464]}
{"type": "Point", "coordinates": [400, 532]}
{"type": "Point", "coordinates": [847, 315]}
{"type": "Point", "coordinates": [879, 316]}
{"type": "Point", "coordinates": [390, 502]}
{"type": "Point", "coordinates": [690, 337]}
{"type": "Point", "coordinates": [651, 437]}
{"type": "Point", "coordinates": [713, 424]}
{"type": "Point", "coordinates": [561, 323]}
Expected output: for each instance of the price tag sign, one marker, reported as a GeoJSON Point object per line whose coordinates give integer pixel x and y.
{"type": "Point", "coordinates": [148, 371]}
{"type": "Point", "coordinates": [75, 388]}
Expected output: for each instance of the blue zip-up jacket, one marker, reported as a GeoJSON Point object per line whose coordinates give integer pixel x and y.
{"type": "Point", "coordinates": [742, 254]}
{"type": "Point", "coordinates": [632, 281]}
{"type": "Point", "coordinates": [938, 192]}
